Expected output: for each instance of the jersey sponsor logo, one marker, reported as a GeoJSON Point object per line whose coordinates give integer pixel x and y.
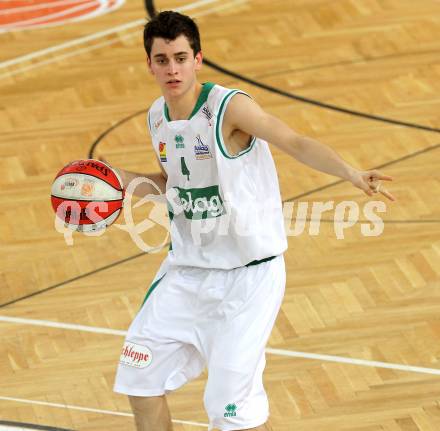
{"type": "Point", "coordinates": [179, 141]}
{"type": "Point", "coordinates": [135, 355]}
{"type": "Point", "coordinates": [207, 113]}
{"type": "Point", "coordinates": [163, 151]}
{"type": "Point", "coordinates": [201, 150]}
{"type": "Point", "coordinates": [201, 203]}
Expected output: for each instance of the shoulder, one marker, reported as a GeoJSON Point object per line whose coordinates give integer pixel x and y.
{"type": "Point", "coordinates": [220, 97]}
{"type": "Point", "coordinates": [240, 101]}
{"type": "Point", "coordinates": [241, 109]}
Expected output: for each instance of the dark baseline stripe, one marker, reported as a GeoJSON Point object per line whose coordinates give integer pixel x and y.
{"type": "Point", "coordinates": [349, 62]}
{"type": "Point", "coordinates": [317, 102]}
{"type": "Point", "coordinates": [383, 165]}
{"type": "Point", "coordinates": [70, 280]}
{"type": "Point", "coordinates": [20, 425]}
{"type": "Point", "coordinates": [106, 132]}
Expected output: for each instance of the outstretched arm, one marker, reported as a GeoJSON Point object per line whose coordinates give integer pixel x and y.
{"type": "Point", "coordinates": [245, 114]}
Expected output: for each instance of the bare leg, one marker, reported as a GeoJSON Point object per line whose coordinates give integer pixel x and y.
{"type": "Point", "coordinates": [151, 413]}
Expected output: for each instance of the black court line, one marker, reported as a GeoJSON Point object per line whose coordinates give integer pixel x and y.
{"type": "Point", "coordinates": [26, 425]}
{"type": "Point", "coordinates": [293, 198]}
{"type": "Point", "coordinates": [324, 105]}
{"type": "Point", "coordinates": [110, 129]}
{"type": "Point", "coordinates": [350, 62]}
{"type": "Point", "coordinates": [149, 5]}
{"type": "Point", "coordinates": [383, 165]}
{"type": "Point", "coordinates": [70, 280]}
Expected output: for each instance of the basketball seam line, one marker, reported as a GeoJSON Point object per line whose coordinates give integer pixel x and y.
{"type": "Point", "coordinates": [87, 200]}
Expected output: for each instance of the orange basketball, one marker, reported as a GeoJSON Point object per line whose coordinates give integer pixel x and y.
{"type": "Point", "coordinates": [87, 195]}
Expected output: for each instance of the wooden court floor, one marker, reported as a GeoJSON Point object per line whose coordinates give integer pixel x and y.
{"type": "Point", "coordinates": [356, 346]}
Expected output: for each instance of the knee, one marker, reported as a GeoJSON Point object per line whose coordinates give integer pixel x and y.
{"type": "Point", "coordinates": [221, 400]}
{"type": "Point", "coordinates": [146, 404]}
{"type": "Point", "coordinates": [232, 402]}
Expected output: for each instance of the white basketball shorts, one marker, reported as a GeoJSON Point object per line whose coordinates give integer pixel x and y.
{"type": "Point", "coordinates": [194, 318]}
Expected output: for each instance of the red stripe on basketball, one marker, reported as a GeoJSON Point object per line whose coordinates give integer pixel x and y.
{"type": "Point", "coordinates": [78, 212]}
{"type": "Point", "coordinates": [94, 168]}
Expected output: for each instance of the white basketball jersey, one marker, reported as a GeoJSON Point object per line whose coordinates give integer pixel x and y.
{"type": "Point", "coordinates": [225, 210]}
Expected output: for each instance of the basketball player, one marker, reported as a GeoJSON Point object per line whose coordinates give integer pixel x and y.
{"type": "Point", "coordinates": [216, 296]}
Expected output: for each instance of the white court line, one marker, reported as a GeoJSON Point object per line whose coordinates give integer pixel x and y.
{"type": "Point", "coordinates": [278, 352]}
{"type": "Point", "coordinates": [13, 428]}
{"type": "Point", "coordinates": [39, 6]}
{"type": "Point", "coordinates": [62, 325]}
{"type": "Point", "coordinates": [350, 361]}
{"type": "Point", "coordinates": [101, 10]}
{"type": "Point", "coordinates": [88, 409]}
{"type": "Point", "coordinates": [67, 55]}
{"type": "Point", "coordinates": [107, 43]}
{"type": "Point", "coordinates": [52, 15]}
{"type": "Point", "coordinates": [93, 36]}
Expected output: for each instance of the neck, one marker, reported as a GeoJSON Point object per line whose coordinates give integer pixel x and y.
{"type": "Point", "coordinates": [180, 107]}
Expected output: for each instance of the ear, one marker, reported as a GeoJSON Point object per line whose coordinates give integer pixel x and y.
{"type": "Point", "coordinates": [199, 60]}
{"type": "Point", "coordinates": [149, 65]}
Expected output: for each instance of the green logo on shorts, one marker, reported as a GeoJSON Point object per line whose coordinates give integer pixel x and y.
{"type": "Point", "coordinates": [230, 410]}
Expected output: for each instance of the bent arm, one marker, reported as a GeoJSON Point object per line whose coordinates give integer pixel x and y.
{"type": "Point", "coordinates": [143, 189]}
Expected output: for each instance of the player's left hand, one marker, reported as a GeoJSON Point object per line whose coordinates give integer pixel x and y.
{"type": "Point", "coordinates": [371, 182]}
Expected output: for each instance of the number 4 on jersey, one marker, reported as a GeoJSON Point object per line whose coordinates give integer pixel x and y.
{"type": "Point", "coordinates": [184, 168]}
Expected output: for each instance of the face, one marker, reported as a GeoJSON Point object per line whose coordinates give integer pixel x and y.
{"type": "Point", "coordinates": [173, 65]}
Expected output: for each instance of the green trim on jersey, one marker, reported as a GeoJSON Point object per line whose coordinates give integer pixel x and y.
{"type": "Point", "coordinates": [203, 97]}
{"type": "Point", "coordinates": [149, 122]}
{"type": "Point", "coordinates": [152, 287]}
{"type": "Point", "coordinates": [257, 262]}
{"type": "Point", "coordinates": [166, 113]}
{"type": "Point", "coordinates": [218, 133]}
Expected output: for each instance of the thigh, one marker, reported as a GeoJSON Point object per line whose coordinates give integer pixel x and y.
{"type": "Point", "coordinates": [235, 397]}
{"type": "Point", "coordinates": [158, 354]}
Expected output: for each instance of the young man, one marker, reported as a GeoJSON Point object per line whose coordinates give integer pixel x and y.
{"type": "Point", "coordinates": [216, 296]}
